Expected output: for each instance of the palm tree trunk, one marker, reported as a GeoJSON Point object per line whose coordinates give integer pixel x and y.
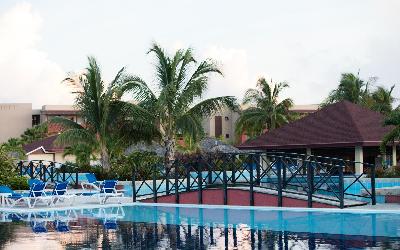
{"type": "Point", "coordinates": [105, 158]}
{"type": "Point", "coordinates": [169, 144]}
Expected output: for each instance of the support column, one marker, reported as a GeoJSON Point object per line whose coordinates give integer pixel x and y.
{"type": "Point", "coordinates": [308, 151]}
{"type": "Point", "coordinates": [359, 158]}
{"type": "Point", "coordinates": [394, 155]}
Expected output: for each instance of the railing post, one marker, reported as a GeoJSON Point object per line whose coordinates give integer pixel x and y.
{"type": "Point", "coordinates": [154, 185]}
{"type": "Point", "coordinates": [31, 169]}
{"type": "Point", "coordinates": [233, 169]}
{"type": "Point", "coordinates": [76, 179]}
{"type": "Point", "coordinates": [225, 184]}
{"type": "Point", "coordinates": [373, 191]}
{"type": "Point", "coordinates": [251, 183]}
{"type": "Point", "coordinates": [176, 184]}
{"type": "Point", "coordinates": [167, 171]}
{"type": "Point", "coordinates": [52, 164]}
{"type": "Point", "coordinates": [200, 183]}
{"type": "Point", "coordinates": [258, 170]}
{"type": "Point", "coordinates": [279, 173]}
{"type": "Point", "coordinates": [134, 182]}
{"type": "Point", "coordinates": [310, 184]}
{"type": "Point", "coordinates": [188, 177]}
{"type": "Point", "coordinates": [44, 169]}
{"type": "Point", "coordinates": [341, 187]}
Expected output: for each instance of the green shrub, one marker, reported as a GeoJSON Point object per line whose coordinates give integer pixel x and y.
{"type": "Point", "coordinates": [142, 162]}
{"type": "Point", "coordinates": [391, 172]}
{"type": "Point", "coordinates": [18, 183]}
{"type": "Point", "coordinates": [8, 175]}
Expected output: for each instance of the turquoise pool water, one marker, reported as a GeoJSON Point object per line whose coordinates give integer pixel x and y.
{"type": "Point", "coordinates": [160, 227]}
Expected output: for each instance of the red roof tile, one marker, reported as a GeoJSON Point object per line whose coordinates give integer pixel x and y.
{"type": "Point", "coordinates": [46, 144]}
{"type": "Point", "coordinates": [339, 124]}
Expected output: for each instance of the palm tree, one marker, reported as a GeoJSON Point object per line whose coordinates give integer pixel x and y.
{"type": "Point", "coordinates": [393, 119]}
{"type": "Point", "coordinates": [265, 111]}
{"type": "Point", "coordinates": [382, 100]}
{"type": "Point", "coordinates": [13, 147]}
{"type": "Point", "coordinates": [82, 151]}
{"type": "Point", "coordinates": [176, 106]}
{"type": "Point", "coordinates": [109, 123]}
{"type": "Point", "coordinates": [351, 88]}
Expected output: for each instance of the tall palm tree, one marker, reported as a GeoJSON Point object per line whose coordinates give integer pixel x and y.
{"type": "Point", "coordinates": [109, 123]}
{"type": "Point", "coordinates": [266, 112]}
{"type": "Point", "coordinates": [351, 88]}
{"type": "Point", "coordinates": [393, 119]}
{"type": "Point", "coordinates": [382, 100]}
{"type": "Point", "coordinates": [176, 105]}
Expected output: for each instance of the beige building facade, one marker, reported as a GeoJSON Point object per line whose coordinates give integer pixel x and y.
{"type": "Point", "coordinates": [18, 117]}
{"type": "Point", "coordinates": [222, 124]}
{"type": "Point", "coordinates": [15, 119]}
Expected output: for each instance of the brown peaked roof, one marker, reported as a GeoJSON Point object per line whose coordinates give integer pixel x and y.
{"type": "Point", "coordinates": [47, 145]}
{"type": "Point", "coordinates": [339, 124]}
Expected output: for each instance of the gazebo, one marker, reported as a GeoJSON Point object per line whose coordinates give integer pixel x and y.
{"type": "Point", "coordinates": [344, 130]}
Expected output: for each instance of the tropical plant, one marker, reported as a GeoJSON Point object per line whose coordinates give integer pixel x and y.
{"type": "Point", "coordinates": [8, 174]}
{"type": "Point", "coordinates": [13, 147]}
{"type": "Point", "coordinates": [110, 124]}
{"type": "Point", "coordinates": [83, 153]}
{"type": "Point", "coordinates": [393, 119]}
{"type": "Point", "coordinates": [382, 100]}
{"type": "Point", "coordinates": [35, 133]}
{"type": "Point", "coordinates": [177, 106]}
{"type": "Point", "coordinates": [351, 88]}
{"type": "Point", "coordinates": [266, 112]}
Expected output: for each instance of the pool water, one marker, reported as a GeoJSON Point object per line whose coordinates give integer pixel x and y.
{"type": "Point", "coordinates": [160, 227]}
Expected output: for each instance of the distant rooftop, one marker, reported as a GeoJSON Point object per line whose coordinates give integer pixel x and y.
{"type": "Point", "coordinates": [337, 125]}
{"type": "Point", "coordinates": [58, 109]}
{"type": "Point", "coordinates": [305, 108]}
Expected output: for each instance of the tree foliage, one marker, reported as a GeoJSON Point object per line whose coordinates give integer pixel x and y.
{"type": "Point", "coordinates": [352, 88]}
{"type": "Point", "coordinates": [110, 124]}
{"type": "Point", "coordinates": [266, 112]}
{"type": "Point", "coordinates": [393, 119]}
{"type": "Point", "coordinates": [176, 105]}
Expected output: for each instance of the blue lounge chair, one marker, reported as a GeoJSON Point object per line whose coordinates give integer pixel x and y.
{"type": "Point", "coordinates": [107, 190]}
{"type": "Point", "coordinates": [61, 226]}
{"type": "Point", "coordinates": [91, 182]}
{"type": "Point", "coordinates": [59, 193]}
{"type": "Point", "coordinates": [33, 181]}
{"type": "Point", "coordinates": [38, 226]}
{"type": "Point", "coordinates": [7, 192]}
{"type": "Point", "coordinates": [36, 194]}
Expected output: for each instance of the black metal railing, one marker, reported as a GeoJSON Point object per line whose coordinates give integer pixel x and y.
{"type": "Point", "coordinates": [48, 171]}
{"type": "Point", "coordinates": [316, 177]}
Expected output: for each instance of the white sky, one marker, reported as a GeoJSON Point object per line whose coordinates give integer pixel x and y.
{"type": "Point", "coordinates": [307, 43]}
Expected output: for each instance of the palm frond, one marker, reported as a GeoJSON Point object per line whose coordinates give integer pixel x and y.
{"type": "Point", "coordinates": [65, 123]}
{"type": "Point", "coordinates": [212, 105]}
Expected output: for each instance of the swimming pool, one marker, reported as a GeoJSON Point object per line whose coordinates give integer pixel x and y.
{"type": "Point", "coordinates": [150, 226]}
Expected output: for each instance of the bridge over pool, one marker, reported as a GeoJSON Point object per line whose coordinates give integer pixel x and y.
{"type": "Point", "coordinates": [251, 179]}
{"type": "Point", "coordinates": [258, 179]}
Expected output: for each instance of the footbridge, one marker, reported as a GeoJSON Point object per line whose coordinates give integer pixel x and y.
{"type": "Point", "coordinates": [258, 179]}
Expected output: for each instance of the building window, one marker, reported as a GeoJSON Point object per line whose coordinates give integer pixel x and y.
{"type": "Point", "coordinates": [227, 136]}
{"type": "Point", "coordinates": [35, 120]}
{"type": "Point", "coordinates": [226, 118]}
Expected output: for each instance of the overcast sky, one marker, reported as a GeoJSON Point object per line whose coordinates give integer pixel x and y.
{"type": "Point", "coordinates": [307, 43]}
